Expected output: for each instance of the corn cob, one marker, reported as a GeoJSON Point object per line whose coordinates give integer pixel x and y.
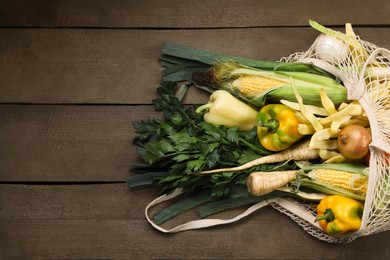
{"type": "Point", "coordinates": [250, 85]}
{"type": "Point", "coordinates": [259, 87]}
{"type": "Point", "coordinates": [349, 181]}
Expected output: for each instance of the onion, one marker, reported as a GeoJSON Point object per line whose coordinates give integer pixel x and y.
{"type": "Point", "coordinates": [353, 141]}
{"type": "Point", "coordinates": [330, 49]}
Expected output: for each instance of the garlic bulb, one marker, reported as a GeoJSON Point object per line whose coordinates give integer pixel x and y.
{"type": "Point", "coordinates": [330, 49]}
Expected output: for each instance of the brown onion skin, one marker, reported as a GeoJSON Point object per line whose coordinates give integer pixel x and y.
{"type": "Point", "coordinates": [353, 141]}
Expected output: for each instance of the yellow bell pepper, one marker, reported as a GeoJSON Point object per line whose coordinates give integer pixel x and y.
{"type": "Point", "coordinates": [225, 109]}
{"type": "Point", "coordinates": [339, 215]}
{"type": "Point", "coordinates": [277, 127]}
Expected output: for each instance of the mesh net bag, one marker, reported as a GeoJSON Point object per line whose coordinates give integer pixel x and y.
{"type": "Point", "coordinates": [365, 72]}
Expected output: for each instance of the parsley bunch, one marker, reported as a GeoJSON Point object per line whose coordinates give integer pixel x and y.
{"type": "Point", "coordinates": [181, 143]}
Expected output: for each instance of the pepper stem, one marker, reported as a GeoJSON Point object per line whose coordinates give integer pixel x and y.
{"type": "Point", "coordinates": [204, 107]}
{"type": "Point", "coordinates": [328, 216]}
{"type": "Point", "coordinates": [272, 125]}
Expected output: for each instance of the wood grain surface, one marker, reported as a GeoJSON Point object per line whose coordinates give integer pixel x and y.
{"type": "Point", "coordinates": [105, 221]}
{"type": "Point", "coordinates": [74, 75]}
{"type": "Point", "coordinates": [189, 13]}
{"type": "Point", "coordinates": [122, 66]}
{"type": "Point", "coordinates": [68, 143]}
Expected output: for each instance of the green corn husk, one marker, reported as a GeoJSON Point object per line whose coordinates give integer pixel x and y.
{"type": "Point", "coordinates": [349, 167]}
{"type": "Point", "coordinates": [304, 180]}
{"type": "Point", "coordinates": [307, 84]}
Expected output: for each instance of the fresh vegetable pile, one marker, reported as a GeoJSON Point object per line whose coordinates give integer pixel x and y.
{"type": "Point", "coordinates": [270, 131]}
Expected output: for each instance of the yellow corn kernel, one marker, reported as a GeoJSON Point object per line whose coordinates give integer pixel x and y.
{"type": "Point", "coordinates": [253, 85]}
{"type": "Point", "coordinates": [353, 182]}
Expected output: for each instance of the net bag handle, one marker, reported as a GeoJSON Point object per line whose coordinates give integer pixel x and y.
{"type": "Point", "coordinates": [201, 223]}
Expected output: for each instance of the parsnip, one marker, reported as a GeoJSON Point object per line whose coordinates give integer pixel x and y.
{"type": "Point", "coordinates": [298, 152]}
{"type": "Point", "coordinates": [261, 183]}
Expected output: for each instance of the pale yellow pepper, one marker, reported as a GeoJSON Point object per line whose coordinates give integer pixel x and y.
{"type": "Point", "coordinates": [226, 110]}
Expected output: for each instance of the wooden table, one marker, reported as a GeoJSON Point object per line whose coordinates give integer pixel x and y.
{"type": "Point", "coordinates": [73, 77]}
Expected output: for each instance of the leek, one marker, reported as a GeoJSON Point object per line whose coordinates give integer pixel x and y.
{"type": "Point", "coordinates": [180, 62]}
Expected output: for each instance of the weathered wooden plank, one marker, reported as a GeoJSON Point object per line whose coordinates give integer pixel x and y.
{"type": "Point", "coordinates": [78, 201]}
{"type": "Point", "coordinates": [106, 221]}
{"type": "Point", "coordinates": [190, 13]}
{"type": "Point", "coordinates": [68, 143]}
{"type": "Point", "coordinates": [110, 66]}
{"type": "Point", "coordinates": [121, 66]}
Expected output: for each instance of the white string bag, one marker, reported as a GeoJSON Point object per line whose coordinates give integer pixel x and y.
{"type": "Point", "coordinates": [373, 94]}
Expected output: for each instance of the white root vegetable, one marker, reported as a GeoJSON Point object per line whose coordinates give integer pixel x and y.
{"type": "Point", "coordinates": [298, 152]}
{"type": "Point", "coordinates": [261, 183]}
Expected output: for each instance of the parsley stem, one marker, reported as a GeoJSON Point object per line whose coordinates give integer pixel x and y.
{"type": "Point", "coordinates": [180, 152]}
{"type": "Point", "coordinates": [253, 147]}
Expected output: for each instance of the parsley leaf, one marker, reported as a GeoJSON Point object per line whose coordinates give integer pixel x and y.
{"type": "Point", "coordinates": [182, 142]}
